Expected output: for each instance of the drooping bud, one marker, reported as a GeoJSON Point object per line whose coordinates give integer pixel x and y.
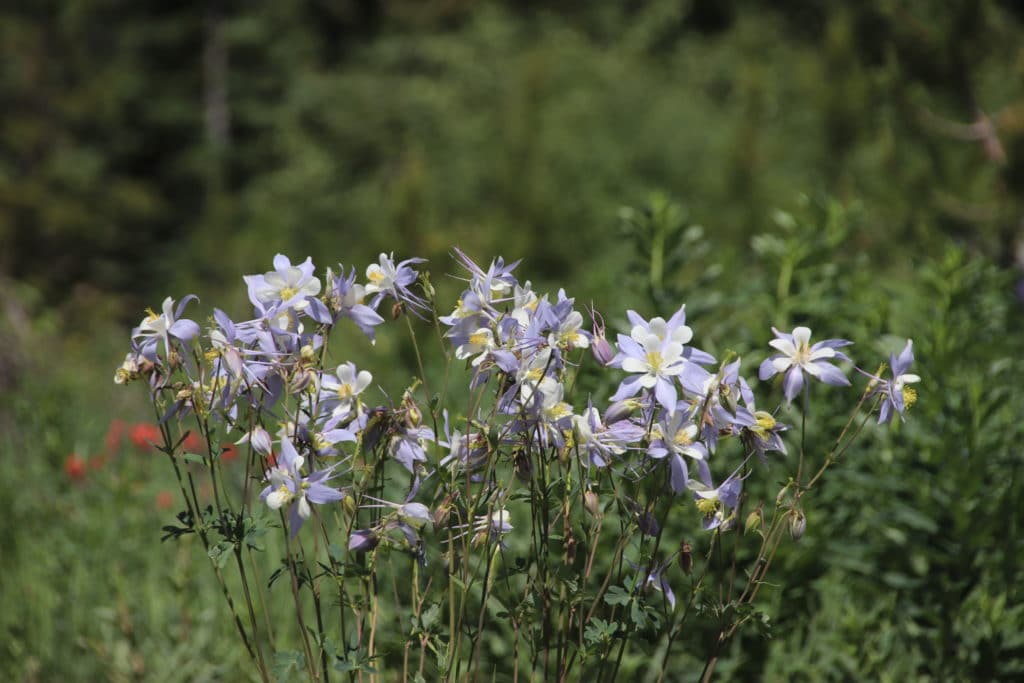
{"type": "Point", "coordinates": [620, 410]}
{"type": "Point", "coordinates": [754, 520]}
{"type": "Point", "coordinates": [362, 540]}
{"type": "Point", "coordinates": [348, 504]}
{"type": "Point", "coordinates": [797, 524]}
{"type": "Point", "coordinates": [599, 346]}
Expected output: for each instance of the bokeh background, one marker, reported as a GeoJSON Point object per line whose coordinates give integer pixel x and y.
{"type": "Point", "coordinates": [858, 167]}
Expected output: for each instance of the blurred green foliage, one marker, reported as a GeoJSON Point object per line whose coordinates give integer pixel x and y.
{"type": "Point", "coordinates": [150, 149]}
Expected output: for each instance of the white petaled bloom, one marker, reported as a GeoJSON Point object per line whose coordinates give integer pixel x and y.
{"type": "Point", "coordinates": [345, 386]}
{"type": "Point", "coordinates": [568, 334]}
{"type": "Point", "coordinates": [799, 356]}
{"type": "Point", "coordinates": [524, 303]}
{"type": "Point", "coordinates": [660, 359]}
{"type": "Point", "coordinates": [286, 485]}
{"type": "Point", "coordinates": [287, 284]}
{"type": "Point", "coordinates": [381, 277]}
{"type": "Point", "coordinates": [681, 334]}
{"type": "Point", "coordinates": [552, 407]}
{"type": "Point", "coordinates": [798, 352]}
{"type": "Point", "coordinates": [478, 344]}
{"type": "Point", "coordinates": [492, 526]}
{"type": "Point", "coordinates": [164, 326]}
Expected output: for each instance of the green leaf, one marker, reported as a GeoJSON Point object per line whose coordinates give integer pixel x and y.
{"type": "Point", "coordinates": [193, 457]}
{"type": "Point", "coordinates": [617, 595]}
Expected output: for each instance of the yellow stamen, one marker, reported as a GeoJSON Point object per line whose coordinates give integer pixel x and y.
{"type": "Point", "coordinates": [909, 397]}
{"type": "Point", "coordinates": [707, 506]}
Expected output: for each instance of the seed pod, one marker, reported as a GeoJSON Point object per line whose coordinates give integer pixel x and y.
{"type": "Point", "coordinates": [686, 557]}
{"type": "Point", "coordinates": [570, 547]}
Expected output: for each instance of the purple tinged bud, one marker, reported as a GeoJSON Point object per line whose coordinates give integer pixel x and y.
{"type": "Point", "coordinates": [602, 350]}
{"type": "Point", "coordinates": [362, 540]}
{"type": "Point", "coordinates": [599, 346]}
{"type": "Point", "coordinates": [620, 410]}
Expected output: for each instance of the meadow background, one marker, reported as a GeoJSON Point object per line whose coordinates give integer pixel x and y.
{"type": "Point", "coordinates": [856, 167]}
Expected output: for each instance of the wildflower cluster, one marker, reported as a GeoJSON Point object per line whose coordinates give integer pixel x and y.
{"type": "Point", "coordinates": [521, 463]}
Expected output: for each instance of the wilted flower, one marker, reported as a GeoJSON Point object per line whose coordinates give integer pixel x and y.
{"type": "Point", "coordinates": [799, 357]}
{"type": "Point", "coordinates": [797, 524]}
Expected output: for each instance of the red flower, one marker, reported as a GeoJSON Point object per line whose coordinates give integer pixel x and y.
{"type": "Point", "coordinates": [164, 500]}
{"type": "Point", "coordinates": [114, 435]}
{"type": "Point", "coordinates": [74, 467]}
{"type": "Point", "coordinates": [194, 443]}
{"type": "Point", "coordinates": [228, 452]}
{"type": "Point", "coordinates": [143, 435]}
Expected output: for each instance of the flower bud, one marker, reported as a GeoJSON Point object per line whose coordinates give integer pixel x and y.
{"type": "Point", "coordinates": [592, 503]}
{"type": "Point", "coordinates": [602, 350]}
{"type": "Point", "coordinates": [797, 524]}
{"type": "Point", "coordinates": [620, 410]}
{"type": "Point", "coordinates": [753, 522]}
{"type": "Point", "coordinates": [260, 440]}
{"type": "Point", "coordinates": [362, 540]}
{"type": "Point", "coordinates": [348, 504]}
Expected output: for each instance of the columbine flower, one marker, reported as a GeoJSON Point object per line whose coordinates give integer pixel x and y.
{"type": "Point", "coordinates": [565, 323]}
{"type": "Point", "coordinates": [169, 324]}
{"type": "Point", "coordinates": [675, 436]}
{"type": "Point", "coordinates": [409, 446]}
{"type": "Point", "coordinates": [286, 286]}
{"type": "Point", "coordinates": [716, 504]}
{"type": "Point", "coordinates": [762, 433]}
{"type": "Point", "coordinates": [388, 279]}
{"type": "Point", "coordinates": [655, 360]}
{"type": "Point", "coordinates": [656, 580]}
{"type": "Point", "coordinates": [415, 515]}
{"type": "Point", "coordinates": [289, 487]}
{"type": "Point", "coordinates": [601, 442]}
{"type": "Point", "coordinates": [896, 395]}
{"type": "Point", "coordinates": [799, 357]}
{"type": "Point", "coordinates": [346, 300]}
{"type": "Point", "coordinates": [344, 387]}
